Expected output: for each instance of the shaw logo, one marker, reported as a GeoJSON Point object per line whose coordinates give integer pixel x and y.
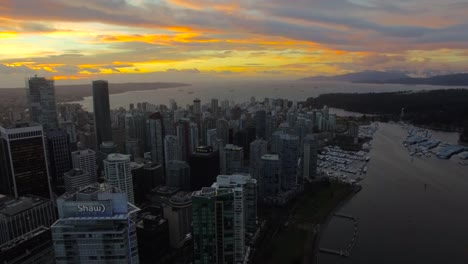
{"type": "Point", "coordinates": [100, 208]}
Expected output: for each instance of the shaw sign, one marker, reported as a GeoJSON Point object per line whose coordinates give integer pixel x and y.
{"type": "Point", "coordinates": [88, 209]}
{"type": "Point", "coordinates": [91, 208]}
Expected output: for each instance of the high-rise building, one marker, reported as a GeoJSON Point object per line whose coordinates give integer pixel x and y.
{"type": "Point", "coordinates": [245, 205]}
{"type": "Point", "coordinates": [178, 174]}
{"type": "Point", "coordinates": [23, 167]}
{"type": "Point", "coordinates": [310, 158]}
{"type": "Point", "coordinates": [204, 167]}
{"type": "Point", "coordinates": [269, 180]}
{"type": "Point", "coordinates": [102, 117]}
{"type": "Point", "coordinates": [85, 160]}
{"type": "Point", "coordinates": [194, 138]}
{"type": "Point", "coordinates": [58, 146]}
{"type": "Point", "coordinates": [183, 134]}
{"type": "Point", "coordinates": [260, 124]}
{"type": "Point", "coordinates": [232, 159]}
{"type": "Point", "coordinates": [213, 226]}
{"type": "Point", "coordinates": [24, 214]}
{"type": "Point", "coordinates": [197, 106]}
{"type": "Point", "coordinates": [258, 148]}
{"type": "Point", "coordinates": [95, 226]}
{"type": "Point", "coordinates": [178, 212]}
{"type": "Point", "coordinates": [41, 100]}
{"type": "Point", "coordinates": [222, 130]}
{"type": "Point", "coordinates": [171, 148]}
{"type": "Point", "coordinates": [211, 136]}
{"type": "Point", "coordinates": [156, 137]}
{"type": "Point", "coordinates": [289, 155]}
{"type": "Point", "coordinates": [117, 171]}
{"type": "Point", "coordinates": [76, 178]}
{"type": "Point", "coordinates": [214, 107]}
{"type": "Point", "coordinates": [153, 235]}
{"type": "Point", "coordinates": [132, 148]}
{"type": "Point", "coordinates": [70, 127]}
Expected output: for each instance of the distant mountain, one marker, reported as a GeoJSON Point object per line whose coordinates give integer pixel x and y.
{"type": "Point", "coordinates": [459, 79]}
{"type": "Point", "coordinates": [360, 77]}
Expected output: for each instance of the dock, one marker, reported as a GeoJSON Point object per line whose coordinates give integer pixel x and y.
{"type": "Point", "coordinates": [346, 253]}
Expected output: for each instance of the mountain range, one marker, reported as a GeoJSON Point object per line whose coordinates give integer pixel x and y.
{"type": "Point", "coordinates": [380, 77]}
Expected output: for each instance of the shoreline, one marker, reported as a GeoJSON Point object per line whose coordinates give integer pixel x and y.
{"type": "Point", "coordinates": [323, 225]}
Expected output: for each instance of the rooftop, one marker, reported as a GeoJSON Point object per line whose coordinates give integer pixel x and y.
{"type": "Point", "coordinates": [11, 207]}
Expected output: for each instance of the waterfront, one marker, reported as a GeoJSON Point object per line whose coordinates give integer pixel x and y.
{"type": "Point", "coordinates": [241, 91]}
{"type": "Point", "coordinates": [408, 211]}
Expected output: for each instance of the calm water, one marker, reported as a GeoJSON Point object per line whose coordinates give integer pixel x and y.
{"type": "Point", "coordinates": [401, 221]}
{"type": "Point", "coordinates": [241, 91]}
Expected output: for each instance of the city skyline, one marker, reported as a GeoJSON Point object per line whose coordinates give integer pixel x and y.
{"type": "Point", "coordinates": [163, 40]}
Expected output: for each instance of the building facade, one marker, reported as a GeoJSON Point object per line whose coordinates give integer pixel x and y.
{"type": "Point", "coordinates": [24, 168]}
{"type": "Point", "coordinates": [102, 117]}
{"type": "Point", "coordinates": [117, 171]}
{"type": "Point", "coordinates": [95, 226]}
{"type": "Point", "coordinates": [41, 100]}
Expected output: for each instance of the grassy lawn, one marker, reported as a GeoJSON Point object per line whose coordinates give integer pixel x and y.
{"type": "Point", "coordinates": [318, 201]}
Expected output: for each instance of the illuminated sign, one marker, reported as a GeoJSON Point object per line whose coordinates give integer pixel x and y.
{"type": "Point", "coordinates": [88, 209]}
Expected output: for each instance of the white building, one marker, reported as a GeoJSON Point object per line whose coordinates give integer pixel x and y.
{"type": "Point", "coordinates": [117, 171]}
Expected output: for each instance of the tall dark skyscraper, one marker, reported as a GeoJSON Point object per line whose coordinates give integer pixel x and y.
{"type": "Point", "coordinates": [41, 101]}
{"type": "Point", "coordinates": [260, 124]}
{"type": "Point", "coordinates": [205, 167]}
{"type": "Point", "coordinates": [58, 146]}
{"type": "Point", "coordinates": [23, 161]}
{"type": "Point", "coordinates": [102, 118]}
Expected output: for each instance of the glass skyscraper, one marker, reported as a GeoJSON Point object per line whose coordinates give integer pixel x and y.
{"type": "Point", "coordinates": [95, 226]}
{"type": "Point", "coordinates": [102, 118]}
{"type": "Point", "coordinates": [41, 101]}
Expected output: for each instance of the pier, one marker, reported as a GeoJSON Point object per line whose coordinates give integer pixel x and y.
{"type": "Point", "coordinates": [346, 253]}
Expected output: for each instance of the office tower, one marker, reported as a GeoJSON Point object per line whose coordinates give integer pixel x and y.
{"type": "Point", "coordinates": [41, 101]}
{"type": "Point", "coordinates": [245, 206]}
{"type": "Point", "coordinates": [117, 171]}
{"type": "Point", "coordinates": [58, 145]}
{"type": "Point", "coordinates": [132, 148]}
{"type": "Point", "coordinates": [76, 178]}
{"type": "Point", "coordinates": [289, 160]}
{"type": "Point", "coordinates": [153, 176]}
{"type": "Point", "coordinates": [222, 130]}
{"type": "Point", "coordinates": [24, 214]}
{"type": "Point", "coordinates": [207, 124]}
{"type": "Point", "coordinates": [183, 134]}
{"type": "Point", "coordinates": [196, 106]}
{"type": "Point", "coordinates": [85, 160]}
{"type": "Point", "coordinates": [214, 107]}
{"type": "Point", "coordinates": [137, 171]}
{"type": "Point", "coordinates": [258, 148]}
{"type": "Point", "coordinates": [241, 139]}
{"type": "Point", "coordinates": [23, 168]}
{"type": "Point", "coordinates": [211, 136]}
{"type": "Point", "coordinates": [171, 148]}
{"type": "Point", "coordinates": [204, 166]}
{"type": "Point", "coordinates": [194, 137]}
{"type": "Point", "coordinates": [102, 118]}
{"type": "Point", "coordinates": [156, 137]}
{"type": "Point", "coordinates": [169, 125]}
{"type": "Point", "coordinates": [70, 127]}
{"type": "Point", "coordinates": [310, 157]}
{"type": "Point", "coordinates": [152, 234]}
{"type": "Point", "coordinates": [269, 180]}
{"type": "Point", "coordinates": [95, 225]}
{"type": "Point", "coordinates": [213, 226]}
{"type": "Point", "coordinates": [118, 136]}
{"type": "Point", "coordinates": [232, 159]}
{"type": "Point", "coordinates": [178, 174]}
{"type": "Point", "coordinates": [260, 124]}
{"type": "Point", "coordinates": [135, 127]}
{"type": "Point", "coordinates": [34, 247]}
{"type": "Point", "coordinates": [178, 212]}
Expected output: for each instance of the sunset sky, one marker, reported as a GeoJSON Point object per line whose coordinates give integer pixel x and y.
{"type": "Point", "coordinates": [75, 41]}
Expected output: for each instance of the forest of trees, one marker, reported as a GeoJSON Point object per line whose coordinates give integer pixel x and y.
{"type": "Point", "coordinates": [440, 109]}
